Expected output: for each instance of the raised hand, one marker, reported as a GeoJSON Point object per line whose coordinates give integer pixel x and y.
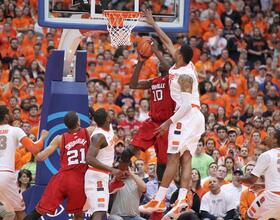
{"type": "Point", "coordinates": [149, 17]}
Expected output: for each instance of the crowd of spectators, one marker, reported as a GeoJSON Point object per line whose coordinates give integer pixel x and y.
{"type": "Point", "coordinates": [236, 46]}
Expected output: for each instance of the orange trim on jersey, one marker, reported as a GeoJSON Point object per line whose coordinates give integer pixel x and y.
{"type": "Point", "coordinates": [175, 142]}
{"type": "Point", "coordinates": [277, 193]}
{"type": "Point", "coordinates": [195, 106]}
{"type": "Point", "coordinates": [99, 170]}
{"type": "Point", "coordinates": [100, 200]}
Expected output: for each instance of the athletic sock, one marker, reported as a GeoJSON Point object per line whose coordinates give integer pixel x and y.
{"type": "Point", "coordinates": [161, 193]}
{"type": "Point", "coordinates": [182, 193]}
{"type": "Point", "coordinates": [34, 215]}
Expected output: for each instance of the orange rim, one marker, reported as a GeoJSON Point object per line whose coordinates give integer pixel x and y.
{"type": "Point", "coordinates": [116, 18]}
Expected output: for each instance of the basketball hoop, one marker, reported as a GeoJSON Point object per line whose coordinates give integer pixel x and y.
{"type": "Point", "coordinates": [120, 25]}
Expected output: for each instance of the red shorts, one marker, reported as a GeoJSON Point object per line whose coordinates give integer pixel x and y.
{"type": "Point", "coordinates": [64, 185]}
{"type": "Point", "coordinates": [145, 137]}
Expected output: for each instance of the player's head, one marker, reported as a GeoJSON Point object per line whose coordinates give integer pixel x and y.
{"type": "Point", "coordinates": [4, 114]}
{"type": "Point", "coordinates": [184, 54]}
{"type": "Point", "coordinates": [101, 117]}
{"type": "Point", "coordinates": [72, 120]}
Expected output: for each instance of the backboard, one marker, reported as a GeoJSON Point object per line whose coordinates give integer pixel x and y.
{"type": "Point", "coordinates": [171, 15]}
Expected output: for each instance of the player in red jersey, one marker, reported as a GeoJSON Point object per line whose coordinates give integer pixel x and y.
{"type": "Point", "coordinates": [161, 108]}
{"type": "Point", "coordinates": [68, 183]}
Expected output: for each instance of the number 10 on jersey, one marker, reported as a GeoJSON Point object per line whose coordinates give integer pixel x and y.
{"type": "Point", "coordinates": [158, 95]}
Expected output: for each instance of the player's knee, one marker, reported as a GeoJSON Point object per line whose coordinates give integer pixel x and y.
{"type": "Point", "coordinates": [127, 154]}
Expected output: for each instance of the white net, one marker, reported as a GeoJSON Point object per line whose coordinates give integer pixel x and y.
{"type": "Point", "coordinates": [119, 25]}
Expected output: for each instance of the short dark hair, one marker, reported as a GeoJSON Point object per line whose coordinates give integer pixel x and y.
{"type": "Point", "coordinates": [71, 120]}
{"type": "Point", "coordinates": [100, 116]}
{"type": "Point", "coordinates": [222, 128]}
{"type": "Point", "coordinates": [187, 53]}
{"type": "Point", "coordinates": [3, 112]}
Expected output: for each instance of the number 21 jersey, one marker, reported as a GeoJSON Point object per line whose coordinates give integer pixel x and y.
{"type": "Point", "coordinates": [73, 150]}
{"type": "Point", "coordinates": [162, 106]}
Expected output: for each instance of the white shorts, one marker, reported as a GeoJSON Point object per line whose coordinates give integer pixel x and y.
{"type": "Point", "coordinates": [9, 192]}
{"type": "Point", "coordinates": [265, 206]}
{"type": "Point", "coordinates": [185, 134]}
{"type": "Point", "coordinates": [97, 191]}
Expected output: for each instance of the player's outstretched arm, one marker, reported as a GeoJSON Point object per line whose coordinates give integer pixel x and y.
{"type": "Point", "coordinates": [134, 81]}
{"type": "Point", "coordinates": [97, 142]}
{"type": "Point", "coordinates": [34, 147]}
{"type": "Point", "coordinates": [162, 36]}
{"type": "Point", "coordinates": [55, 143]}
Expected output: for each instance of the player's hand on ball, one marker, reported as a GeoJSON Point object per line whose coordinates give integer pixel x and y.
{"type": "Point", "coordinates": [44, 134]}
{"type": "Point", "coordinates": [149, 17]}
{"type": "Point", "coordinates": [163, 128]}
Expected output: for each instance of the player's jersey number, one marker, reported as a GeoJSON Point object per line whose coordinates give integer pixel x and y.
{"type": "Point", "coordinates": [158, 95]}
{"type": "Point", "coordinates": [3, 142]}
{"type": "Point", "coordinates": [73, 157]}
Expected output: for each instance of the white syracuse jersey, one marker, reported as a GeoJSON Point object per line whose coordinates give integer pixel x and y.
{"type": "Point", "coordinates": [106, 154]}
{"type": "Point", "coordinates": [175, 89]}
{"type": "Point", "coordinates": [268, 164]}
{"type": "Point", "coordinates": [185, 134]}
{"type": "Point", "coordinates": [97, 181]}
{"type": "Point", "coordinates": [9, 140]}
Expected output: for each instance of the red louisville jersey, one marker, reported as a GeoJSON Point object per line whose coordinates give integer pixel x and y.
{"type": "Point", "coordinates": [73, 150]}
{"type": "Point", "coordinates": [162, 106]}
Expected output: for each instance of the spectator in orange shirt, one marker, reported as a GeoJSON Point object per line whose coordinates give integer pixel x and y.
{"type": "Point", "coordinates": [213, 100]}
{"type": "Point", "coordinates": [33, 118]}
{"type": "Point", "coordinates": [224, 58]}
{"type": "Point", "coordinates": [231, 99]}
{"type": "Point", "coordinates": [211, 20]}
{"type": "Point", "coordinates": [100, 101]}
{"type": "Point", "coordinates": [20, 23]}
{"type": "Point", "coordinates": [196, 51]}
{"type": "Point", "coordinates": [111, 103]}
{"type": "Point", "coordinates": [194, 25]}
{"type": "Point", "coordinates": [6, 35]}
{"type": "Point", "coordinates": [16, 114]}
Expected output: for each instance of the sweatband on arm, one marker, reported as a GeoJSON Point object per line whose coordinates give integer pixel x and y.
{"type": "Point", "coordinates": [185, 106]}
{"type": "Point", "coordinates": [33, 147]}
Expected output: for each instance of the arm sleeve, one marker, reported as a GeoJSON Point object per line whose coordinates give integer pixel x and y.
{"type": "Point", "coordinates": [243, 204]}
{"type": "Point", "coordinates": [261, 165]}
{"type": "Point", "coordinates": [33, 147]}
{"type": "Point", "coordinates": [185, 106]}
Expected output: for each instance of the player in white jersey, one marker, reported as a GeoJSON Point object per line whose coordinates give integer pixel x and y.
{"type": "Point", "coordinates": [100, 158]}
{"type": "Point", "coordinates": [185, 127]}
{"type": "Point", "coordinates": [10, 139]}
{"type": "Point", "coordinates": [267, 204]}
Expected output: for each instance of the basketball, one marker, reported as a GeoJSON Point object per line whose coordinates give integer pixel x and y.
{"type": "Point", "coordinates": [144, 47]}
